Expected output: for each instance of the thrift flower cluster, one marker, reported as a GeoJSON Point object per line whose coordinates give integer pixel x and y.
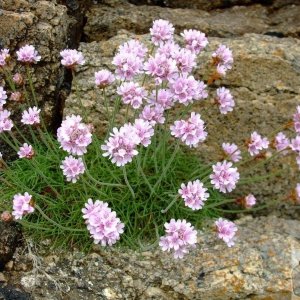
{"type": "Point", "coordinates": [22, 204]}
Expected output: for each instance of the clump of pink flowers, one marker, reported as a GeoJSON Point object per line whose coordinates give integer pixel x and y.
{"type": "Point", "coordinates": [104, 78]}
{"type": "Point", "coordinates": [194, 194]}
{"type": "Point", "coordinates": [191, 132]}
{"type": "Point", "coordinates": [180, 237]}
{"type": "Point", "coordinates": [257, 143]}
{"type": "Point", "coordinates": [225, 100]}
{"type": "Point", "coordinates": [74, 136]}
{"type": "Point", "coordinates": [22, 205]}
{"type": "Point", "coordinates": [232, 152]}
{"type": "Point", "coordinates": [223, 59]}
{"type": "Point", "coordinates": [132, 94]}
{"type": "Point", "coordinates": [195, 40]}
{"type": "Point", "coordinates": [72, 168]}
{"type": "Point", "coordinates": [226, 231]}
{"type": "Point", "coordinates": [26, 151]}
{"type": "Point", "coordinates": [102, 223]}
{"type": "Point", "coordinates": [224, 177]}
{"type": "Point", "coordinates": [27, 54]}
{"type": "Point", "coordinates": [161, 31]}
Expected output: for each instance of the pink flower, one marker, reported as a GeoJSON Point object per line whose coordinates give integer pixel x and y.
{"type": "Point", "coordinates": [223, 59]}
{"type": "Point", "coordinates": [186, 89]}
{"type": "Point", "coordinates": [102, 223]}
{"type": "Point", "coordinates": [127, 65]}
{"type": "Point", "coordinates": [257, 143]}
{"type": "Point", "coordinates": [180, 237]}
{"type": "Point", "coordinates": [18, 79]}
{"type": "Point", "coordinates": [161, 68]}
{"type": "Point", "coordinates": [121, 145]}
{"type": "Point", "coordinates": [224, 178]}
{"type": "Point", "coordinates": [22, 205]}
{"type": "Point", "coordinates": [281, 142]}
{"type": "Point", "coordinates": [295, 144]}
{"type": "Point", "coordinates": [194, 194]}
{"type": "Point", "coordinates": [191, 132]}
{"type": "Point", "coordinates": [6, 123]}
{"type": "Point", "coordinates": [250, 201]}
{"type": "Point", "coordinates": [28, 54]}
{"type": "Point", "coordinates": [103, 78]}
{"type": "Point", "coordinates": [296, 119]}
{"type": "Point", "coordinates": [163, 97]}
{"type": "Point", "coordinates": [226, 231]}
{"type": "Point", "coordinates": [186, 60]}
{"type": "Point", "coordinates": [74, 136]}
{"type": "Point", "coordinates": [232, 151]}
{"type": "Point", "coordinates": [71, 58]}
{"type": "Point", "coordinates": [224, 100]}
{"type": "Point", "coordinates": [16, 96]}
{"type": "Point", "coordinates": [144, 130]}
{"type": "Point", "coordinates": [4, 57]}
{"type": "Point", "coordinates": [161, 31]}
{"type": "Point", "coordinates": [26, 151]}
{"type": "Point", "coordinates": [3, 97]}
{"type": "Point", "coordinates": [134, 47]}
{"type": "Point", "coordinates": [72, 168]}
{"type": "Point", "coordinates": [153, 113]}
{"type": "Point", "coordinates": [195, 40]}
{"type": "Point", "coordinates": [132, 94]}
{"type": "Point", "coordinates": [297, 190]}
{"type": "Point", "coordinates": [168, 49]}
{"type": "Point", "coordinates": [31, 116]}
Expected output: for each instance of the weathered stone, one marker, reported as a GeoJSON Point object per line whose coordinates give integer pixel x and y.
{"type": "Point", "coordinates": [106, 19]}
{"type": "Point", "coordinates": [10, 238]}
{"type": "Point", "coordinates": [262, 265]}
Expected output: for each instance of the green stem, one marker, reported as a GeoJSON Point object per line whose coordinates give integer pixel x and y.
{"type": "Point", "coordinates": [127, 182]}
{"type": "Point", "coordinates": [163, 211]}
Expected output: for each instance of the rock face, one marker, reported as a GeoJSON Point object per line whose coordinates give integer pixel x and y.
{"type": "Point", "coordinates": [10, 239]}
{"type": "Point", "coordinates": [264, 264]}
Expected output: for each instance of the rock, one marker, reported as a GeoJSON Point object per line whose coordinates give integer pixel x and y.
{"type": "Point", "coordinates": [10, 238]}
{"type": "Point", "coordinates": [262, 265]}
{"type": "Point", "coordinates": [265, 82]}
{"type": "Point", "coordinates": [8, 292]}
{"type": "Point", "coordinates": [106, 19]}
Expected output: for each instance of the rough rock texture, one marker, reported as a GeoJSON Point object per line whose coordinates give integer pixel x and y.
{"type": "Point", "coordinates": [265, 82]}
{"type": "Point", "coordinates": [104, 21]}
{"type": "Point", "coordinates": [10, 239]}
{"type": "Point", "coordinates": [264, 264]}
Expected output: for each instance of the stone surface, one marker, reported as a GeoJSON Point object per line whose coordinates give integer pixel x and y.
{"type": "Point", "coordinates": [265, 82]}
{"type": "Point", "coordinates": [264, 264]}
{"type": "Point", "coordinates": [106, 19]}
{"type": "Point", "coordinates": [10, 239]}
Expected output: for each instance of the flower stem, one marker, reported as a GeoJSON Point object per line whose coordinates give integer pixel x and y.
{"type": "Point", "coordinates": [127, 182]}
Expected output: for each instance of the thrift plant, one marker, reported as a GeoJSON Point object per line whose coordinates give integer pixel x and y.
{"type": "Point", "coordinates": [141, 183]}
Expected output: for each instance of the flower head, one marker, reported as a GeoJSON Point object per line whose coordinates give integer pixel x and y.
{"type": "Point", "coordinates": [226, 231]}
{"type": "Point", "coordinates": [257, 143]}
{"type": "Point", "coordinates": [224, 177]}
{"type": "Point", "coordinates": [281, 142]}
{"type": "Point", "coordinates": [121, 145]}
{"type": "Point", "coordinates": [3, 97]}
{"type": "Point", "coordinates": [28, 54]}
{"type": "Point", "coordinates": [26, 151]}
{"type": "Point", "coordinates": [74, 136]}
{"type": "Point", "coordinates": [71, 58]}
{"type": "Point", "coordinates": [232, 151]}
{"type": "Point", "coordinates": [6, 123]}
{"type": "Point", "coordinates": [102, 223]}
{"type": "Point", "coordinates": [180, 237]}
{"type": "Point", "coordinates": [191, 132]}
{"type": "Point", "coordinates": [144, 130]}
{"type": "Point", "coordinates": [249, 201]}
{"type": "Point", "coordinates": [22, 205]}
{"type": "Point", "coordinates": [16, 96]}
{"type": "Point", "coordinates": [223, 59]}
{"type": "Point", "coordinates": [153, 113]}
{"type": "Point", "coordinates": [224, 100]}
{"type": "Point", "coordinates": [72, 168]}
{"type": "Point", "coordinates": [103, 78]}
{"type": "Point", "coordinates": [194, 194]}
{"type": "Point", "coordinates": [31, 116]}
{"type": "Point", "coordinates": [185, 60]}
{"type": "Point", "coordinates": [168, 49]}
{"type": "Point", "coordinates": [134, 47]}
{"type": "Point", "coordinates": [4, 57]}
{"type": "Point", "coordinates": [195, 40]}
{"type": "Point", "coordinates": [162, 97]}
{"type": "Point", "coordinates": [295, 144]}
{"type": "Point", "coordinates": [161, 31]}
{"type": "Point", "coordinates": [132, 94]}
